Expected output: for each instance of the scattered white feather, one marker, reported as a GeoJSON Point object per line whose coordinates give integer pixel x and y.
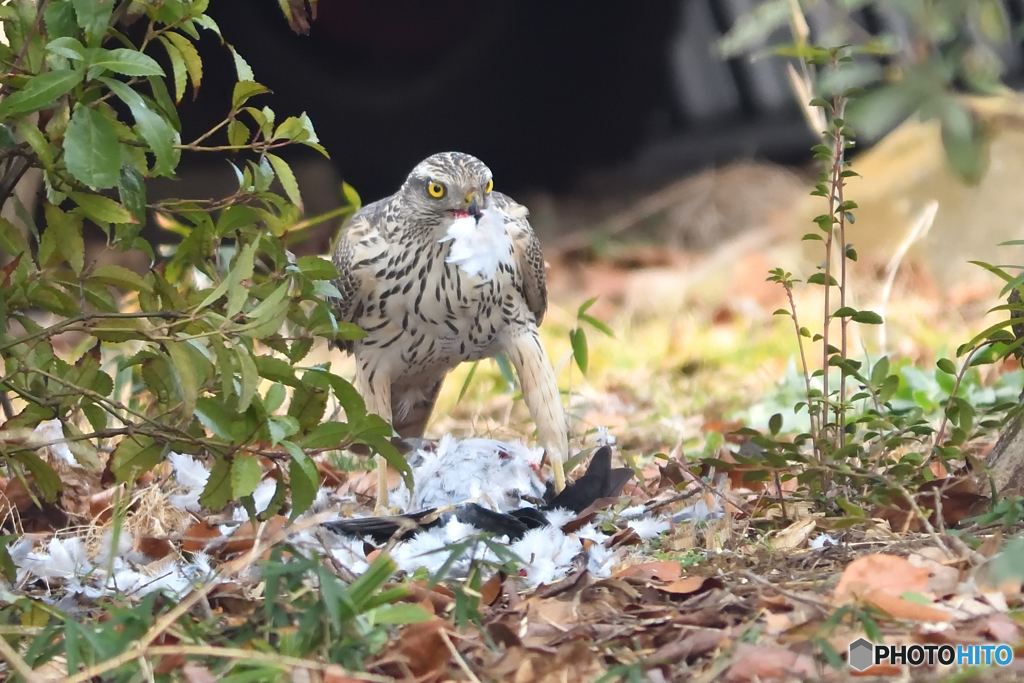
{"type": "Point", "coordinates": [601, 560]}
{"type": "Point", "coordinates": [493, 473]}
{"type": "Point", "coordinates": [430, 549]}
{"type": "Point", "coordinates": [604, 438]}
{"type": "Point", "coordinates": [546, 554]}
{"type": "Point", "coordinates": [823, 540]}
{"type": "Point", "coordinates": [559, 517]}
{"type": "Point", "coordinates": [479, 246]}
{"type": "Point", "coordinates": [52, 430]}
{"type": "Point", "coordinates": [648, 527]}
{"type": "Point", "coordinates": [633, 511]}
{"type": "Point", "coordinates": [192, 476]}
{"type": "Point", "coordinates": [62, 559]}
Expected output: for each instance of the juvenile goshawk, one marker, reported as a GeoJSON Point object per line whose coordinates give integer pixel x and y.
{"type": "Point", "coordinates": [441, 272]}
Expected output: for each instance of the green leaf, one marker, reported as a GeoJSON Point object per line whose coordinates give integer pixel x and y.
{"type": "Point", "coordinates": [327, 435]}
{"type": "Point", "coordinates": [303, 477]}
{"type": "Point", "coordinates": [67, 47]}
{"type": "Point", "coordinates": [398, 613]}
{"type": "Point", "coordinates": [309, 401]}
{"type": "Point", "coordinates": [42, 475]}
{"type": "Point", "coordinates": [38, 92]}
{"type": "Point", "coordinates": [287, 179]}
{"type": "Point", "coordinates": [578, 340]}
{"type": "Point", "coordinates": [193, 63]}
{"type": "Point", "coordinates": [185, 371]}
{"type": "Point", "coordinates": [867, 318]}
{"type": "Point", "coordinates": [67, 231]}
{"type": "Point", "coordinates": [215, 417]}
{"type": "Point", "coordinates": [242, 67]}
{"type": "Point", "coordinates": [131, 189]}
{"type": "Point", "coordinates": [585, 306]}
{"type": "Point", "coordinates": [119, 276]}
{"type": "Point", "coordinates": [775, 423]}
{"type": "Point", "coordinates": [946, 365]}
{"type": "Point", "coordinates": [244, 90]}
{"type": "Point", "coordinates": [60, 20]}
{"type": "Point", "coordinates": [597, 324]}
{"type": "Point", "coordinates": [238, 133]}
{"type": "Point", "coordinates": [93, 17]}
{"type": "Point", "coordinates": [101, 209]}
{"type": "Point", "coordinates": [316, 268]}
{"type": "Point", "coordinates": [218, 487]}
{"type": "Point", "coordinates": [249, 376]}
{"type": "Point", "coordinates": [158, 133]}
{"type": "Point", "coordinates": [246, 474]}
{"type": "Point", "coordinates": [12, 240]}
{"type": "Point", "coordinates": [91, 148]}
{"type": "Point", "coordinates": [177, 68]}
{"type": "Point", "coordinates": [121, 61]}
{"type": "Point", "coordinates": [134, 456]}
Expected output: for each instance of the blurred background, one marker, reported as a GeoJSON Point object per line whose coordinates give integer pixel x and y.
{"type": "Point", "coordinates": [661, 122]}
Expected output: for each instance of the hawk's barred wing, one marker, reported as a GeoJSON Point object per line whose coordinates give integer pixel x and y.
{"type": "Point", "coordinates": [528, 254]}
{"type": "Point", "coordinates": [359, 245]}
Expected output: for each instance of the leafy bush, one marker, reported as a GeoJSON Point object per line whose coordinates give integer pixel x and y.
{"type": "Point", "coordinates": [201, 353]}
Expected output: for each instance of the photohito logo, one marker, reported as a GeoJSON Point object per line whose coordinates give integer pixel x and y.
{"type": "Point", "coordinates": [863, 654]}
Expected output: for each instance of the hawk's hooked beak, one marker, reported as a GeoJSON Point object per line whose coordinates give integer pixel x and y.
{"type": "Point", "coordinates": [473, 205]}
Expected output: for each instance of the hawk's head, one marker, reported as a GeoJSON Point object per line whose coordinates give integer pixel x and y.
{"type": "Point", "coordinates": [448, 185]}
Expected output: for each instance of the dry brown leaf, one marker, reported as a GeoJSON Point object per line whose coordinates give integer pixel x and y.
{"type": "Point", "coordinates": [902, 608]}
{"type": "Point", "coordinates": [768, 663]}
{"type": "Point", "coordinates": [882, 573]}
{"type": "Point", "coordinates": [571, 662]}
{"type": "Point", "coordinates": [662, 571]}
{"type": "Point", "coordinates": [420, 650]}
{"type": "Point", "coordinates": [691, 584]}
{"type": "Point", "coordinates": [795, 535]}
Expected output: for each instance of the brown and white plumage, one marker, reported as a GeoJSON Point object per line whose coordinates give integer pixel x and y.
{"type": "Point", "coordinates": [424, 315]}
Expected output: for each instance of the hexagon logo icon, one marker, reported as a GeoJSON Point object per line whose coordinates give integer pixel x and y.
{"type": "Point", "coordinates": [861, 654]}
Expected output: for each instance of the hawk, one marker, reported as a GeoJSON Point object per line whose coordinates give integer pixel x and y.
{"type": "Point", "coordinates": [444, 271]}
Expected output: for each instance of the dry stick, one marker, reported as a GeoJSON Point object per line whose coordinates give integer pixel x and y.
{"type": "Point", "coordinates": [919, 230]}
{"type": "Point", "coordinates": [927, 524]}
{"type": "Point", "coordinates": [17, 663]}
{"type": "Point", "coordinates": [262, 657]}
{"type": "Point", "coordinates": [458, 657]}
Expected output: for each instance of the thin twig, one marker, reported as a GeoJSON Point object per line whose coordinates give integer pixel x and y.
{"type": "Point", "coordinates": [458, 657]}
{"type": "Point", "coordinates": [17, 663]}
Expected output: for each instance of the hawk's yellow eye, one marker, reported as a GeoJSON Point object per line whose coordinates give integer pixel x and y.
{"type": "Point", "coordinates": [489, 186]}
{"type": "Point", "coordinates": [436, 190]}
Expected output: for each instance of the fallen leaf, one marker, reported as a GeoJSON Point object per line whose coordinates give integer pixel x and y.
{"type": "Point", "coordinates": [691, 584]}
{"type": "Point", "coordinates": [662, 571]}
{"type": "Point", "coordinates": [768, 663]}
{"type": "Point", "coordinates": [882, 573]}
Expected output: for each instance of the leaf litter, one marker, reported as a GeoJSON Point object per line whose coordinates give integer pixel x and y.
{"type": "Point", "coordinates": [690, 573]}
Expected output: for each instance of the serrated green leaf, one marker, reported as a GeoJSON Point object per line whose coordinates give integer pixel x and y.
{"type": "Point", "coordinates": [60, 20]}
{"type": "Point", "coordinates": [37, 141]}
{"type": "Point", "coordinates": [131, 189]}
{"type": "Point", "coordinates": [177, 68]}
{"type": "Point", "coordinates": [242, 67]}
{"type": "Point", "coordinates": [67, 47]}
{"type": "Point", "coordinates": [185, 373]}
{"type": "Point", "coordinates": [303, 477]}
{"type": "Point", "coordinates": [39, 92]}
{"type": "Point", "coordinates": [287, 179]}
{"type": "Point", "coordinates": [212, 415]}
{"type": "Point", "coordinates": [92, 150]}
{"type": "Point", "coordinates": [309, 400]}
{"type": "Point", "coordinates": [190, 56]}
{"type": "Point", "coordinates": [158, 133]}
{"type": "Point", "coordinates": [238, 291]}
{"type": "Point", "coordinates": [94, 17]}
{"type": "Point", "coordinates": [328, 435]}
{"type": "Point", "coordinates": [121, 61]}
{"type": "Point", "coordinates": [67, 231]}
{"type": "Point", "coordinates": [134, 456]}
{"type": "Point", "coordinates": [316, 268]}
{"type": "Point", "coordinates": [101, 209]}
{"type": "Point", "coordinates": [246, 474]}
{"type": "Point", "coordinates": [218, 487]}
{"type": "Point", "coordinates": [42, 475]}
{"type": "Point", "coordinates": [244, 89]}
{"type": "Point", "coordinates": [119, 276]}
{"type": "Point", "coordinates": [12, 240]}
{"type": "Point", "coordinates": [249, 377]}
{"type": "Point", "coordinates": [238, 133]}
